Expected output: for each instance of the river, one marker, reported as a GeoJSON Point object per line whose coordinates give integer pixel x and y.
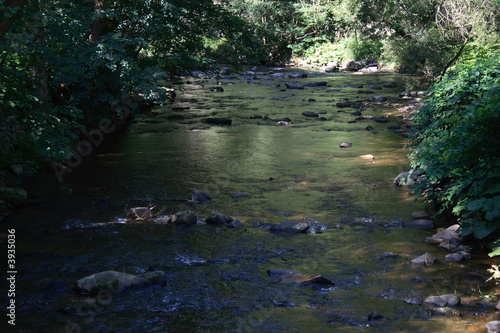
{"type": "Point", "coordinates": [217, 277]}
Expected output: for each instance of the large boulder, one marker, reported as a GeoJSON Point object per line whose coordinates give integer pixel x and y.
{"type": "Point", "coordinates": [406, 178]}
{"type": "Point", "coordinates": [117, 281]}
{"type": "Point", "coordinates": [351, 65]}
{"type": "Point", "coordinates": [493, 326]}
{"type": "Point", "coordinates": [448, 234]}
{"type": "Point", "coordinates": [186, 217]}
{"type": "Point", "coordinates": [330, 67]}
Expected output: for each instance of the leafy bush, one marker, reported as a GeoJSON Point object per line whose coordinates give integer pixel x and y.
{"type": "Point", "coordinates": [425, 54]}
{"type": "Point", "coordinates": [457, 142]}
{"type": "Point", "coordinates": [322, 52]}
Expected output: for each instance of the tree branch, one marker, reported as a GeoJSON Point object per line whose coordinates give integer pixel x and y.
{"type": "Point", "coordinates": [15, 5]}
{"type": "Point", "coordinates": [453, 60]}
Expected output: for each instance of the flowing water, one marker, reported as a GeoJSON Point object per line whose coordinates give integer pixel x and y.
{"type": "Point", "coordinates": [217, 277]}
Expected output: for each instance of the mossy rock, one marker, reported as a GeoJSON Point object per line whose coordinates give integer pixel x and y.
{"type": "Point", "coordinates": [116, 282]}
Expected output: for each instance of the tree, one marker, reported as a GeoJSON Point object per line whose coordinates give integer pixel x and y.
{"type": "Point", "coordinates": [10, 10]}
{"type": "Point", "coordinates": [459, 21]}
{"type": "Point", "coordinates": [456, 144]}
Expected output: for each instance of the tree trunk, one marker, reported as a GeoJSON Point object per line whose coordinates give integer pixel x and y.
{"type": "Point", "coordinates": [453, 60]}
{"type": "Point", "coordinates": [41, 69]}
{"type": "Point", "coordinates": [98, 23]}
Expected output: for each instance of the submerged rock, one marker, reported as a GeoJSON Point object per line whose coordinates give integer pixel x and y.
{"type": "Point", "coordinates": [297, 76]}
{"type": "Point", "coordinates": [218, 121]}
{"type": "Point", "coordinates": [290, 227]}
{"type": "Point", "coordinates": [85, 307]}
{"type": "Point", "coordinates": [345, 104]}
{"type": "Point", "coordinates": [310, 114]}
{"type": "Point", "coordinates": [456, 257]}
{"type": "Point", "coordinates": [425, 224]}
{"type": "Point", "coordinates": [406, 179]}
{"type": "Point", "coordinates": [318, 280]}
{"type": "Point", "coordinates": [290, 276]}
{"type": "Point", "coordinates": [239, 195]}
{"type": "Point", "coordinates": [389, 255]}
{"type": "Point", "coordinates": [442, 301]}
{"type": "Point", "coordinates": [382, 119]}
{"type": "Point", "coordinates": [217, 218]}
{"type": "Point", "coordinates": [199, 196]}
{"type": "Point", "coordinates": [375, 316]}
{"type": "Point", "coordinates": [235, 224]}
{"type": "Point", "coordinates": [294, 86]}
{"type": "Point", "coordinates": [278, 272]}
{"type": "Point", "coordinates": [117, 281]}
{"type": "Point", "coordinates": [426, 259]}
{"type": "Point", "coordinates": [420, 215]}
{"type": "Point", "coordinates": [316, 84]}
{"type": "Point", "coordinates": [284, 119]}
{"type": "Point", "coordinates": [379, 98]}
{"type": "Point", "coordinates": [393, 127]}
{"type": "Point", "coordinates": [186, 217]}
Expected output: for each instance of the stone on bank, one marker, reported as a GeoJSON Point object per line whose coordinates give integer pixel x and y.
{"type": "Point", "coordinates": [116, 282]}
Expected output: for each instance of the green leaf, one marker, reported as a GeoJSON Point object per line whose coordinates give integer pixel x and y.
{"type": "Point", "coordinates": [495, 252]}
{"type": "Point", "coordinates": [476, 204]}
{"type": "Point", "coordinates": [483, 229]}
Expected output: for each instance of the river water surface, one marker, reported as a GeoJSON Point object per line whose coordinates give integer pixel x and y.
{"type": "Point", "coordinates": [217, 280]}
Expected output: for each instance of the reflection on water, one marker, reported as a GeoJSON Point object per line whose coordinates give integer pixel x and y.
{"type": "Point", "coordinates": [217, 280]}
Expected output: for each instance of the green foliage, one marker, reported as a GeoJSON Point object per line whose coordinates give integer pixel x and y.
{"type": "Point", "coordinates": [348, 48]}
{"type": "Point", "coordinates": [457, 143]}
{"type": "Point", "coordinates": [69, 66]}
{"type": "Point", "coordinates": [418, 55]}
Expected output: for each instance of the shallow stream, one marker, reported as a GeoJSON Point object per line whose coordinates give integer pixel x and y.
{"type": "Point", "coordinates": [217, 277]}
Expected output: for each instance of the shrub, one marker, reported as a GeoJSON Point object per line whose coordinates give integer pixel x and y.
{"type": "Point", "coordinates": [323, 52]}
{"type": "Point", "coordinates": [456, 140]}
{"type": "Point", "coordinates": [423, 54]}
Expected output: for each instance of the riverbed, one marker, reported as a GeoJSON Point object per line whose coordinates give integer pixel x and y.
{"type": "Point", "coordinates": [272, 164]}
